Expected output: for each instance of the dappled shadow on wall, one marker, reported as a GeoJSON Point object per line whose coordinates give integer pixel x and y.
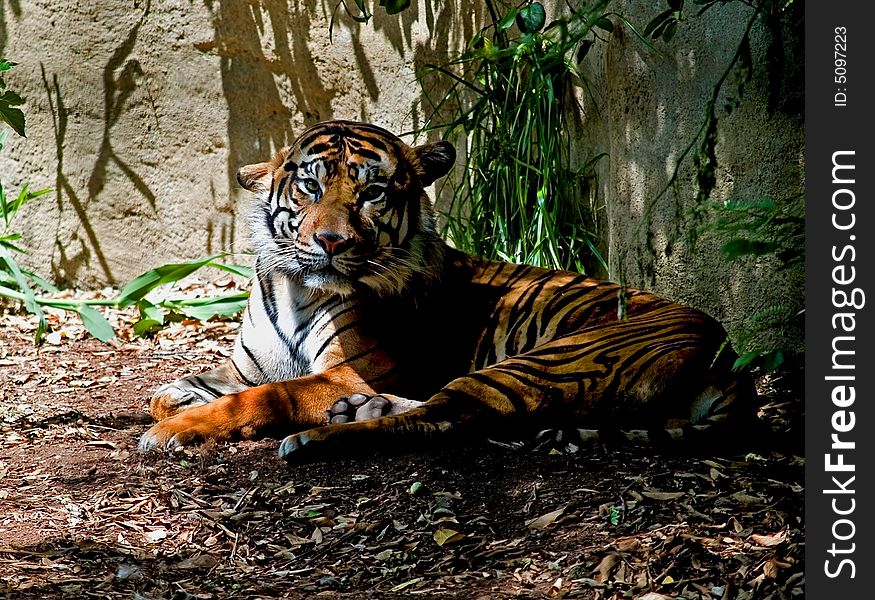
{"type": "Point", "coordinates": [268, 94]}
{"type": "Point", "coordinates": [120, 75]}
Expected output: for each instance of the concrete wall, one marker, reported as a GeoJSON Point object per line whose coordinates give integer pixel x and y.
{"type": "Point", "coordinates": [140, 113]}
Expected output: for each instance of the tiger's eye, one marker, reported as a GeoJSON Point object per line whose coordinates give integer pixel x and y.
{"type": "Point", "coordinates": [371, 193]}
{"type": "Point", "coordinates": [311, 186]}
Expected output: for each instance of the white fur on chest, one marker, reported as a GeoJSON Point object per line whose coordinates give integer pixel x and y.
{"type": "Point", "coordinates": [286, 330]}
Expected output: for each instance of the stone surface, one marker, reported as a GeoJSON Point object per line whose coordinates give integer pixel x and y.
{"type": "Point", "coordinates": [650, 108]}
{"type": "Point", "coordinates": [140, 113]}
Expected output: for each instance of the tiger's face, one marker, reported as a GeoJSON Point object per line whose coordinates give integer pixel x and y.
{"type": "Point", "coordinates": [344, 208]}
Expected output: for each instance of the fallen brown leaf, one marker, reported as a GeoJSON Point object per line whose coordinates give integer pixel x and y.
{"type": "Point", "coordinates": [768, 541]}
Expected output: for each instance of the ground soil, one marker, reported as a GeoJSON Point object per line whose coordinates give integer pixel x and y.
{"type": "Point", "coordinates": [84, 514]}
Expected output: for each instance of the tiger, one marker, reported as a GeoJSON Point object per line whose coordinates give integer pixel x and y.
{"type": "Point", "coordinates": [364, 328]}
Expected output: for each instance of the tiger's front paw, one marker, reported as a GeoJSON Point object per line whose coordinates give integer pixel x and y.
{"type": "Point", "coordinates": [171, 432]}
{"type": "Point", "coordinates": [213, 421]}
{"type": "Point", "coordinates": [174, 397]}
{"type": "Point", "coordinates": [359, 407]}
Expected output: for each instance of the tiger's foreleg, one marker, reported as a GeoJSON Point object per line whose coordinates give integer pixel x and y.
{"type": "Point", "coordinates": [264, 410]}
{"type": "Point", "coordinates": [196, 390]}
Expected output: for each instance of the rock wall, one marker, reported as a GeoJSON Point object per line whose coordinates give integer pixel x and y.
{"type": "Point", "coordinates": [139, 114]}
{"type": "Point", "coordinates": [650, 107]}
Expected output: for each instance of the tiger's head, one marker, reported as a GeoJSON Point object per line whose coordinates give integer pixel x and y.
{"type": "Point", "coordinates": [344, 208]}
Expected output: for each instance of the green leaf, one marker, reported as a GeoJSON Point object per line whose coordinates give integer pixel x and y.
{"type": "Point", "coordinates": [745, 359]}
{"type": "Point", "coordinates": [773, 360]}
{"type": "Point", "coordinates": [11, 98]}
{"type": "Point", "coordinates": [614, 515]}
{"type": "Point", "coordinates": [151, 312]}
{"type": "Point", "coordinates": [658, 20]}
{"type": "Point", "coordinates": [43, 283]}
{"type": "Point", "coordinates": [9, 209]}
{"type": "Point", "coordinates": [394, 7]}
{"type": "Point", "coordinates": [30, 303]}
{"type": "Point", "coordinates": [204, 309]}
{"type": "Point", "coordinates": [604, 23]}
{"type": "Point", "coordinates": [12, 116]}
{"type": "Point", "coordinates": [365, 15]}
{"type": "Point", "coordinates": [241, 270]}
{"type": "Point", "coordinates": [406, 584]}
{"type": "Point", "coordinates": [170, 273]}
{"type": "Point", "coordinates": [531, 18]}
{"type": "Point", "coordinates": [95, 323]}
{"type": "Point", "coordinates": [507, 20]}
{"type": "Point", "coordinates": [144, 326]}
{"type": "Point", "coordinates": [669, 32]}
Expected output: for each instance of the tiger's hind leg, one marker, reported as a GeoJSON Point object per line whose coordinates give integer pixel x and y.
{"type": "Point", "coordinates": [196, 390]}
{"type": "Point", "coordinates": [638, 372]}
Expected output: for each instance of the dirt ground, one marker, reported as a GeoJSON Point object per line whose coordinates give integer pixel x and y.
{"type": "Point", "coordinates": [83, 514]}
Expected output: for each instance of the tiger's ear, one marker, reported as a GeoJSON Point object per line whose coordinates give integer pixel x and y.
{"type": "Point", "coordinates": [435, 161]}
{"type": "Point", "coordinates": [255, 178]}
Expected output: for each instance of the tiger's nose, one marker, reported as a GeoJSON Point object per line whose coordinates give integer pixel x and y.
{"type": "Point", "coordinates": [332, 243]}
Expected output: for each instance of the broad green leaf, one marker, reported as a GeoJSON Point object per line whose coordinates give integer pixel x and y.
{"type": "Point", "coordinates": [604, 23]}
{"type": "Point", "coordinates": [30, 303]}
{"type": "Point", "coordinates": [656, 22]}
{"type": "Point", "coordinates": [43, 283]}
{"type": "Point", "coordinates": [11, 115]}
{"type": "Point", "coordinates": [170, 273]}
{"type": "Point", "coordinates": [144, 326]}
{"type": "Point", "coordinates": [745, 359]}
{"type": "Point", "coordinates": [95, 323]}
{"type": "Point", "coordinates": [507, 20]}
{"type": "Point", "coordinates": [531, 18]}
{"type": "Point", "coordinates": [394, 7]}
{"type": "Point", "coordinates": [11, 98]}
{"type": "Point", "coordinates": [669, 32]}
{"type": "Point", "coordinates": [204, 309]}
{"type": "Point", "coordinates": [365, 15]}
{"type": "Point", "coordinates": [773, 360]}
{"type": "Point", "coordinates": [151, 312]}
{"type": "Point", "coordinates": [241, 270]}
